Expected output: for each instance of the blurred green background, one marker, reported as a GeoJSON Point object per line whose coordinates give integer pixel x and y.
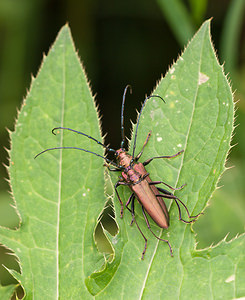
{"type": "Point", "coordinates": [120, 43]}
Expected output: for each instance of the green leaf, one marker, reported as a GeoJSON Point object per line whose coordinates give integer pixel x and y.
{"type": "Point", "coordinates": [214, 225]}
{"type": "Point", "coordinates": [230, 37]}
{"type": "Point", "coordinates": [198, 9]}
{"type": "Point", "coordinates": [59, 195]}
{"type": "Point", "coordinates": [197, 117]}
{"type": "Point", "coordinates": [178, 18]}
{"type": "Point", "coordinates": [7, 291]}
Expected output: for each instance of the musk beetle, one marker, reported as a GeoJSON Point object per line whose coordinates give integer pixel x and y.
{"type": "Point", "coordinates": [135, 176]}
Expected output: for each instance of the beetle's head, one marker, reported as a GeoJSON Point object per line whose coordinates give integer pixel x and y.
{"type": "Point", "coordinates": [123, 158]}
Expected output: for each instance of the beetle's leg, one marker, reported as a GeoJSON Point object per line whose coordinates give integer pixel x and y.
{"type": "Point", "coordinates": [172, 188]}
{"type": "Point", "coordinates": [133, 215]}
{"type": "Point", "coordinates": [128, 202]}
{"type": "Point", "coordinates": [168, 195]}
{"type": "Point", "coordinates": [149, 227]}
{"type": "Point", "coordinates": [145, 175]}
{"type": "Point", "coordinates": [117, 184]}
{"type": "Point", "coordinates": [145, 143]}
{"type": "Point", "coordinates": [131, 199]}
{"type": "Point", "coordinates": [111, 169]}
{"type": "Point", "coordinates": [114, 169]}
{"type": "Point", "coordinates": [165, 156]}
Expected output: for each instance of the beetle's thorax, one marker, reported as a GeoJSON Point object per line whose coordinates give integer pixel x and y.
{"type": "Point", "coordinates": [130, 173]}
{"type": "Point", "coordinates": [123, 158]}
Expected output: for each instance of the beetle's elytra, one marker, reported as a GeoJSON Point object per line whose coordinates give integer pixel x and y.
{"type": "Point", "coordinates": [134, 175]}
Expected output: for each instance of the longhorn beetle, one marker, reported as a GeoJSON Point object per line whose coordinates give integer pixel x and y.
{"type": "Point", "coordinates": [135, 176]}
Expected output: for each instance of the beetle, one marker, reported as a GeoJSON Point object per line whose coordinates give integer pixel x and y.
{"type": "Point", "coordinates": [135, 176]}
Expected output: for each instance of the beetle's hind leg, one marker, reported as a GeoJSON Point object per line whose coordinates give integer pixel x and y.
{"type": "Point", "coordinates": [149, 227]}
{"type": "Point", "coordinates": [169, 186]}
{"type": "Point", "coordinates": [131, 199]}
{"type": "Point", "coordinates": [168, 195]}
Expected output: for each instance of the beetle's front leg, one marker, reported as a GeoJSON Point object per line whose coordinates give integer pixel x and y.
{"type": "Point", "coordinates": [118, 183]}
{"type": "Point", "coordinates": [111, 169]}
{"type": "Point", "coordinates": [145, 143]}
{"type": "Point", "coordinates": [164, 156]}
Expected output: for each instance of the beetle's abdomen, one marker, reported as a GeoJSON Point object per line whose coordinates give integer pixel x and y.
{"type": "Point", "coordinates": [139, 181]}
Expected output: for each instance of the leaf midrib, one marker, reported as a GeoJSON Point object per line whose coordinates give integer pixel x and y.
{"type": "Point", "coordinates": [60, 172]}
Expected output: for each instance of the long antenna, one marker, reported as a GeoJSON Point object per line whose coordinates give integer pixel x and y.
{"type": "Point", "coordinates": [84, 134]}
{"type": "Point", "coordinates": [137, 125]}
{"type": "Point", "coordinates": [122, 115]}
{"type": "Point", "coordinates": [76, 148]}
